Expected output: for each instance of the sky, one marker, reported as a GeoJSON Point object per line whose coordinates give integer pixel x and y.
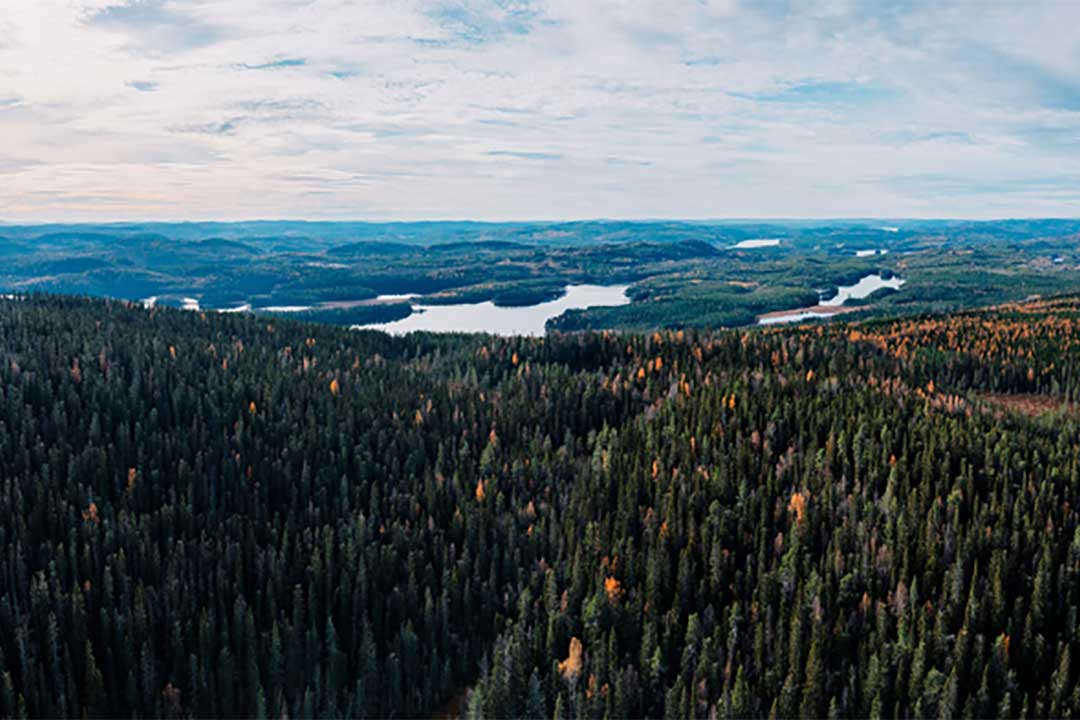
{"type": "Point", "coordinates": [526, 110]}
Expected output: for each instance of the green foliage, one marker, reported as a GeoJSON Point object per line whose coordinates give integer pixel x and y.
{"type": "Point", "coordinates": [224, 515]}
{"type": "Point", "coordinates": [681, 275]}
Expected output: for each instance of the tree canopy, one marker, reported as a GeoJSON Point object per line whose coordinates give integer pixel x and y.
{"type": "Point", "coordinates": [224, 515]}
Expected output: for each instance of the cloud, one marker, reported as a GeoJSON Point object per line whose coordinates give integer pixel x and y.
{"type": "Point", "coordinates": [706, 61]}
{"type": "Point", "coordinates": [512, 109]}
{"type": "Point", "coordinates": [274, 64]}
{"type": "Point", "coordinates": [1023, 80]}
{"type": "Point", "coordinates": [627, 161]}
{"type": "Point", "coordinates": [524, 155]}
{"type": "Point", "coordinates": [826, 93]}
{"type": "Point", "coordinates": [224, 127]}
{"type": "Point", "coordinates": [344, 73]}
{"type": "Point", "coordinates": [999, 189]}
{"type": "Point", "coordinates": [482, 21]}
{"type": "Point", "coordinates": [155, 26]}
{"type": "Point", "coordinates": [10, 165]}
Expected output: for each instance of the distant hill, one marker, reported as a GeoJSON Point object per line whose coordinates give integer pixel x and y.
{"type": "Point", "coordinates": [683, 274]}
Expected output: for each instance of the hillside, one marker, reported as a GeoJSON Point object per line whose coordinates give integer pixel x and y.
{"type": "Point", "coordinates": [681, 274]}
{"type": "Point", "coordinates": [229, 515]}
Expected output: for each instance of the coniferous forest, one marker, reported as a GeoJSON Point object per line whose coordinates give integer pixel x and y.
{"type": "Point", "coordinates": [230, 516]}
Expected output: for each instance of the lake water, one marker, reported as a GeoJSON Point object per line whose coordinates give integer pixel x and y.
{"type": "Point", "coordinates": [185, 303]}
{"type": "Point", "coordinates": [486, 317]}
{"type": "Point", "coordinates": [395, 298]}
{"type": "Point", "coordinates": [758, 243]}
{"type": "Point", "coordinates": [827, 308]}
{"type": "Point", "coordinates": [791, 317]}
{"type": "Point", "coordinates": [864, 288]}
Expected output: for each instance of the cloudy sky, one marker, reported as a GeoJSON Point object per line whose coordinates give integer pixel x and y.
{"type": "Point", "coordinates": [530, 109]}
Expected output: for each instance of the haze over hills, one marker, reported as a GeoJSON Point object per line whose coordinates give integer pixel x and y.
{"type": "Point", "coordinates": [680, 274]}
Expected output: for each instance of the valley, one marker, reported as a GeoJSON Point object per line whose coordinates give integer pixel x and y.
{"type": "Point", "coordinates": [676, 274]}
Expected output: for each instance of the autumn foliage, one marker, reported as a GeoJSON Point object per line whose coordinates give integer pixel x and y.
{"type": "Point", "coordinates": [570, 668]}
{"type": "Point", "coordinates": [853, 520]}
{"type": "Point", "coordinates": [90, 514]}
{"type": "Point", "coordinates": [797, 506]}
{"type": "Point", "coordinates": [613, 589]}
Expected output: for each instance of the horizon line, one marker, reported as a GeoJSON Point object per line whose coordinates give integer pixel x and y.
{"type": "Point", "coordinates": [580, 220]}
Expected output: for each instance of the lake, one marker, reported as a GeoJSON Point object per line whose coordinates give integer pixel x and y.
{"type": "Point", "coordinates": [487, 317]}
{"type": "Point", "coordinates": [834, 305]}
{"type": "Point", "coordinates": [758, 243]}
{"type": "Point", "coordinates": [864, 288]}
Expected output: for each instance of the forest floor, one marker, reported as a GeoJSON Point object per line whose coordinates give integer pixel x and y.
{"type": "Point", "coordinates": [454, 708]}
{"type": "Point", "coordinates": [1027, 404]}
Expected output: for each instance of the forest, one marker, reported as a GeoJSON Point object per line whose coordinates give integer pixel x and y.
{"type": "Point", "coordinates": [681, 274]}
{"type": "Point", "coordinates": [227, 515]}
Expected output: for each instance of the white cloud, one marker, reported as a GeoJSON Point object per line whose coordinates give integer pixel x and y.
{"type": "Point", "coordinates": [496, 109]}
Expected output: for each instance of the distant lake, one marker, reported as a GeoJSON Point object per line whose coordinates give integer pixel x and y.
{"type": "Point", "coordinates": [834, 305]}
{"type": "Point", "coordinates": [758, 243]}
{"type": "Point", "coordinates": [864, 288]}
{"type": "Point", "coordinates": [487, 317]}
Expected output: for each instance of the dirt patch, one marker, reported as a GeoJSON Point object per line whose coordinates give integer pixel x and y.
{"type": "Point", "coordinates": [1026, 403]}
{"type": "Point", "coordinates": [349, 304]}
{"type": "Point", "coordinates": [822, 310]}
{"type": "Point", "coordinates": [454, 707]}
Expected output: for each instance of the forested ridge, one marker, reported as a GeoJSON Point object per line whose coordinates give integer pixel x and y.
{"type": "Point", "coordinates": [679, 274]}
{"type": "Point", "coordinates": [225, 515]}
